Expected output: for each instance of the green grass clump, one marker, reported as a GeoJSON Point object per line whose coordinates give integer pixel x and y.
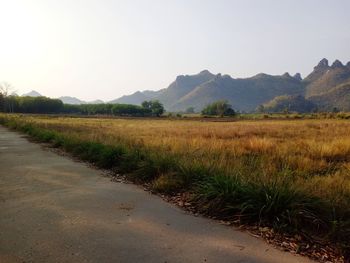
{"type": "Point", "coordinates": [153, 166]}
{"type": "Point", "coordinates": [169, 183]}
{"type": "Point", "coordinates": [270, 203]}
{"type": "Point", "coordinates": [218, 195]}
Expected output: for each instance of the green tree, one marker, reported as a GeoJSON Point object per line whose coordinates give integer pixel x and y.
{"type": "Point", "coordinates": [146, 104]}
{"type": "Point", "coordinates": [37, 105]}
{"type": "Point", "coordinates": [6, 102]}
{"type": "Point", "coordinates": [219, 108]}
{"type": "Point", "coordinates": [2, 102]}
{"type": "Point", "coordinates": [156, 108]}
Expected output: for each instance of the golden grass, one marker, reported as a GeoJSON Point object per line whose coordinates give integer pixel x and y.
{"type": "Point", "coordinates": [316, 152]}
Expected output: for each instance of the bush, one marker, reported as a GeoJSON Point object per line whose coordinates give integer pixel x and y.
{"type": "Point", "coordinates": [219, 108]}
{"type": "Point", "coordinates": [154, 106]}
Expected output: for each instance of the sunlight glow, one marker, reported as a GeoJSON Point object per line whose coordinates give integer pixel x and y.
{"type": "Point", "coordinates": [67, 47]}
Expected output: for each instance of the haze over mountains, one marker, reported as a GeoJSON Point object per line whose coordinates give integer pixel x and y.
{"type": "Point", "coordinates": [64, 99]}
{"type": "Point", "coordinates": [325, 88]}
{"type": "Point", "coordinates": [32, 93]}
{"type": "Point", "coordinates": [76, 101]}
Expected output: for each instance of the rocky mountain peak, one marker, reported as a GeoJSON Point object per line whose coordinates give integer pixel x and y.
{"type": "Point", "coordinates": [205, 72]}
{"type": "Point", "coordinates": [322, 64]}
{"type": "Point", "coordinates": [218, 76]}
{"type": "Point", "coordinates": [33, 93]}
{"type": "Point", "coordinates": [180, 77]}
{"type": "Point", "coordinates": [337, 64]}
{"type": "Point", "coordinates": [318, 71]}
{"type": "Point", "coordinates": [297, 76]}
{"type": "Point", "coordinates": [286, 75]}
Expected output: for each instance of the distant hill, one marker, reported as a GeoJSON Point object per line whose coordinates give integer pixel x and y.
{"type": "Point", "coordinates": [246, 94]}
{"type": "Point", "coordinates": [182, 86]}
{"type": "Point", "coordinates": [64, 99]}
{"type": "Point", "coordinates": [325, 77]}
{"type": "Point", "coordinates": [336, 98]}
{"type": "Point", "coordinates": [169, 96]}
{"type": "Point", "coordinates": [76, 101]}
{"type": "Point", "coordinates": [71, 100]}
{"type": "Point", "coordinates": [137, 98]}
{"type": "Point", "coordinates": [96, 102]}
{"type": "Point", "coordinates": [33, 93]}
{"type": "Point", "coordinates": [289, 103]}
{"type": "Point", "coordinates": [242, 94]}
{"type": "Point", "coordinates": [203, 88]}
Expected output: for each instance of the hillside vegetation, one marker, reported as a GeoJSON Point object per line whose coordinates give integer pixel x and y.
{"type": "Point", "coordinates": [288, 104]}
{"type": "Point", "coordinates": [325, 77]}
{"type": "Point", "coordinates": [337, 98]}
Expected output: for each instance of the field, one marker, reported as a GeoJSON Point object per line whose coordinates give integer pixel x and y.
{"type": "Point", "coordinates": [290, 175]}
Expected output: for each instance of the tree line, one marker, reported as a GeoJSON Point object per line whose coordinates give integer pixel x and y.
{"type": "Point", "coordinates": [148, 108]}
{"type": "Point", "coordinates": [16, 104]}
{"type": "Point", "coordinates": [44, 105]}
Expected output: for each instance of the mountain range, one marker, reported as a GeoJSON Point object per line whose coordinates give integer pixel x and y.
{"type": "Point", "coordinates": [325, 88]}
{"type": "Point", "coordinates": [64, 99]}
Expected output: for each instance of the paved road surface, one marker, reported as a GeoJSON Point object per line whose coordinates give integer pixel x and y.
{"type": "Point", "coordinates": [53, 209]}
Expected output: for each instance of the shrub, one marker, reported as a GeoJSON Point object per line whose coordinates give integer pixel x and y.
{"type": "Point", "coordinates": [168, 183]}
{"type": "Point", "coordinates": [219, 108]}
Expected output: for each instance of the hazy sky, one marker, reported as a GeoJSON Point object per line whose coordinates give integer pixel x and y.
{"type": "Point", "coordinates": [107, 48]}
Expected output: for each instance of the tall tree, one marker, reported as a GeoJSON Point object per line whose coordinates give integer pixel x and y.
{"type": "Point", "coordinates": [156, 108]}
{"type": "Point", "coordinates": [220, 108]}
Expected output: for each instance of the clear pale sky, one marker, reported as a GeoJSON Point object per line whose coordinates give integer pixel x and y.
{"type": "Point", "coordinates": [102, 49]}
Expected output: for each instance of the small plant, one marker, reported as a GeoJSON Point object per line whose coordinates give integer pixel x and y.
{"type": "Point", "coordinates": [168, 183]}
{"type": "Point", "coordinates": [153, 166]}
{"type": "Point", "coordinates": [219, 108]}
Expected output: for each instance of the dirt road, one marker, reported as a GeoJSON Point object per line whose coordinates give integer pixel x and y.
{"type": "Point", "coordinates": [53, 209]}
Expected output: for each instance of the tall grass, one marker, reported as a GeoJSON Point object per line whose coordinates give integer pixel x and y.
{"type": "Point", "coordinates": [292, 175]}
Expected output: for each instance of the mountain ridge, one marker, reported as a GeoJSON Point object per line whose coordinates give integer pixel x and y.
{"type": "Point", "coordinates": [32, 93]}
{"type": "Point", "coordinates": [64, 99]}
{"type": "Point", "coordinates": [246, 94]}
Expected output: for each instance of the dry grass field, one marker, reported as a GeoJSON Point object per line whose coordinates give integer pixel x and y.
{"type": "Point", "coordinates": [292, 175]}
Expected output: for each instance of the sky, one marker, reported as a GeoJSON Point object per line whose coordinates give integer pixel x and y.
{"type": "Point", "coordinates": [103, 49]}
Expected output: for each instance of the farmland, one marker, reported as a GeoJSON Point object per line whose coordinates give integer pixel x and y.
{"type": "Point", "coordinates": [290, 175]}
